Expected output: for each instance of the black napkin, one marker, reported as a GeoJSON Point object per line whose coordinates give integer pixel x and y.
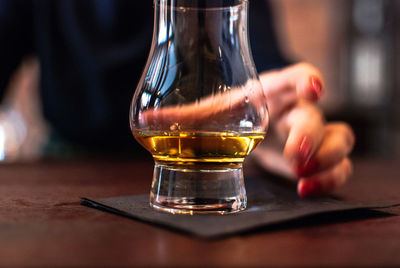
{"type": "Point", "coordinates": [269, 203]}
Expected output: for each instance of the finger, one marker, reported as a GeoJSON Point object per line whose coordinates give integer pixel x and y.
{"type": "Point", "coordinates": [325, 182]}
{"type": "Point", "coordinates": [302, 78]}
{"type": "Point", "coordinates": [309, 87]}
{"type": "Point", "coordinates": [336, 145]}
{"type": "Point", "coordinates": [220, 108]}
{"type": "Point", "coordinates": [307, 80]}
{"type": "Point", "coordinates": [304, 125]}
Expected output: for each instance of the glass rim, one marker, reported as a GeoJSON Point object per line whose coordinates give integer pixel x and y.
{"type": "Point", "coordinates": [216, 8]}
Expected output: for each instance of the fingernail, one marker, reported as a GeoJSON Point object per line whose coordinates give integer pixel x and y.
{"type": "Point", "coordinates": [307, 168]}
{"type": "Point", "coordinates": [316, 87]}
{"type": "Point", "coordinates": [304, 149]}
{"type": "Point", "coordinates": [309, 188]}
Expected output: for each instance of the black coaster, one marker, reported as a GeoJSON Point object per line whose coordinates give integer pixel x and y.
{"type": "Point", "coordinates": [269, 203]}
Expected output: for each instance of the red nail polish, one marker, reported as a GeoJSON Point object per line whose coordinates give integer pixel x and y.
{"type": "Point", "coordinates": [306, 169]}
{"type": "Point", "coordinates": [309, 188]}
{"type": "Point", "coordinates": [304, 149]}
{"type": "Point", "coordinates": [316, 87]}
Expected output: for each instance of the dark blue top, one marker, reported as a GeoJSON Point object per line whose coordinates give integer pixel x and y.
{"type": "Point", "coordinates": [92, 53]}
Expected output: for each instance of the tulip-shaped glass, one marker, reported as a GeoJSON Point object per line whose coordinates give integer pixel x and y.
{"type": "Point", "coordinates": [199, 107]}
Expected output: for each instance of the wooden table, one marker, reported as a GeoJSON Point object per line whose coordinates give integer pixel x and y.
{"type": "Point", "coordinates": [42, 224]}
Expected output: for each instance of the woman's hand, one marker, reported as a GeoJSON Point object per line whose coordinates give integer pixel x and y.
{"type": "Point", "coordinates": [299, 142]}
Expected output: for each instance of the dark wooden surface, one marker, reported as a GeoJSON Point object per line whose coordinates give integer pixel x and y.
{"type": "Point", "coordinates": [42, 224]}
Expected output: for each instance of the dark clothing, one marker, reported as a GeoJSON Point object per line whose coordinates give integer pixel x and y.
{"type": "Point", "coordinates": [92, 53]}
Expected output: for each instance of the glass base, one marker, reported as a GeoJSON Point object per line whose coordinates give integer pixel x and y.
{"type": "Point", "coordinates": [190, 190]}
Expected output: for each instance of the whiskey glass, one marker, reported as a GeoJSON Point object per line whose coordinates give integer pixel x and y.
{"type": "Point", "coordinates": [199, 107]}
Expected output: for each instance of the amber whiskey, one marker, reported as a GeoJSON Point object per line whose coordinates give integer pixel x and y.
{"type": "Point", "coordinates": [196, 148]}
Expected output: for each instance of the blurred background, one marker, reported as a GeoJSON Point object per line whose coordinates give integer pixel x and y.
{"type": "Point", "coordinates": [353, 42]}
